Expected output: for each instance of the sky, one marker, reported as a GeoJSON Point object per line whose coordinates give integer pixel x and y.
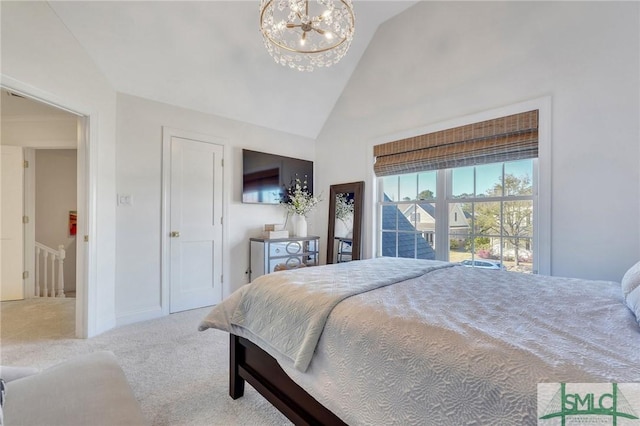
{"type": "Point", "coordinates": [462, 179]}
{"type": "Point", "coordinates": [487, 176]}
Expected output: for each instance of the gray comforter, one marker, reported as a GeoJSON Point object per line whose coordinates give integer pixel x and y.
{"type": "Point", "coordinates": [288, 311]}
{"type": "Point", "coordinates": [460, 346]}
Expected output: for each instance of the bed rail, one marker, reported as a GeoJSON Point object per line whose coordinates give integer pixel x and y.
{"type": "Point", "coordinates": [251, 364]}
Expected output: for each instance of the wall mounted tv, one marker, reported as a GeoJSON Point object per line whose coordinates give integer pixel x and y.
{"type": "Point", "coordinates": [264, 176]}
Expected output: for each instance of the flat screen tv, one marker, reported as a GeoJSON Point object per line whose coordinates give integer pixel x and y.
{"type": "Point", "coordinates": [265, 176]}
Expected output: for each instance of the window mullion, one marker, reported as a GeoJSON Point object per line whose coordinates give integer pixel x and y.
{"type": "Point", "coordinates": [504, 195]}
{"type": "Point", "coordinates": [443, 193]}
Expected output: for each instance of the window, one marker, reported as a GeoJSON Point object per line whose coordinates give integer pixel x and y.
{"type": "Point", "coordinates": [482, 203]}
{"type": "Point", "coordinates": [481, 216]}
{"type": "Point", "coordinates": [407, 215]}
{"type": "Point", "coordinates": [497, 201]}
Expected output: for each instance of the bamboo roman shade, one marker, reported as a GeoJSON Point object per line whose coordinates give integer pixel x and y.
{"type": "Point", "coordinates": [514, 137]}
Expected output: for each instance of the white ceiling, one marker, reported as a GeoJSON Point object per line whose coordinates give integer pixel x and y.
{"type": "Point", "coordinates": [209, 56]}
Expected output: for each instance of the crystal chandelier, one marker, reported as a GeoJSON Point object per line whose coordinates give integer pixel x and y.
{"type": "Point", "coordinates": [306, 34]}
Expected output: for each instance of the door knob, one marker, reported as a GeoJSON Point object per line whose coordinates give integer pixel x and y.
{"type": "Point", "coordinates": [175, 234]}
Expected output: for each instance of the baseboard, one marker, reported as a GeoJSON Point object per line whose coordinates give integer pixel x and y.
{"type": "Point", "coordinates": [139, 315]}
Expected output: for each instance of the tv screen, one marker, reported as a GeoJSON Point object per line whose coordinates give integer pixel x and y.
{"type": "Point", "coordinates": [265, 176]}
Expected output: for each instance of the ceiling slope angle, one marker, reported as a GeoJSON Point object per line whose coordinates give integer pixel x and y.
{"type": "Point", "coordinates": [209, 56]}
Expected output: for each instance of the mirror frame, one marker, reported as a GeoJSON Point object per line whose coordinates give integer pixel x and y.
{"type": "Point", "coordinates": [357, 188]}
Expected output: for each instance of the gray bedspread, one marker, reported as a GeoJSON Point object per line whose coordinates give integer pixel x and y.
{"type": "Point", "coordinates": [288, 310]}
{"type": "Point", "coordinates": [461, 346]}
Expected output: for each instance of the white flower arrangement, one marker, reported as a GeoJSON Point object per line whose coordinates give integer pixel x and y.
{"type": "Point", "coordinates": [344, 207]}
{"type": "Point", "coordinates": [297, 199]}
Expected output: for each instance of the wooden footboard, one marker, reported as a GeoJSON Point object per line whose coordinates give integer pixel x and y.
{"type": "Point", "coordinates": [250, 363]}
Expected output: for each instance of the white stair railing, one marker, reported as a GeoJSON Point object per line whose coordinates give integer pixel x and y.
{"type": "Point", "coordinates": [55, 258]}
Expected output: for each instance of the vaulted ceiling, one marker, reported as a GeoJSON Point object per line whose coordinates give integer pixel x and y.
{"type": "Point", "coordinates": [209, 56]}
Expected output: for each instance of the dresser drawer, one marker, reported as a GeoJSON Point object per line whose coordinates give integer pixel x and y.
{"type": "Point", "coordinates": [267, 256]}
{"type": "Point", "coordinates": [285, 248]}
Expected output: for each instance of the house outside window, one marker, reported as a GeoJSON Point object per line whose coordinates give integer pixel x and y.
{"type": "Point", "coordinates": [483, 212]}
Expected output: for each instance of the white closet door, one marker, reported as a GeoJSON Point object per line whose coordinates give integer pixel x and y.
{"type": "Point", "coordinates": [195, 224]}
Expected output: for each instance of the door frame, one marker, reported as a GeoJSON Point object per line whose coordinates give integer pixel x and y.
{"type": "Point", "coordinates": [165, 276]}
{"type": "Point", "coordinates": [29, 228]}
{"type": "Point", "coordinates": [86, 251]}
{"type": "Point", "coordinates": [10, 150]}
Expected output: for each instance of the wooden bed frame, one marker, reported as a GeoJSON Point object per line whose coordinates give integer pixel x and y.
{"type": "Point", "coordinates": [248, 362]}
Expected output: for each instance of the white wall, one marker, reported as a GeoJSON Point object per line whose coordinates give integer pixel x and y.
{"type": "Point", "coordinates": [40, 57]}
{"type": "Point", "coordinates": [138, 169]}
{"type": "Point", "coordinates": [442, 60]}
{"type": "Point", "coordinates": [56, 195]}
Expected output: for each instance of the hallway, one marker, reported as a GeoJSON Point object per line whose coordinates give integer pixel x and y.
{"type": "Point", "coordinates": [36, 320]}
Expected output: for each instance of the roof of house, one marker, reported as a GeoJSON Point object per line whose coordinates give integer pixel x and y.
{"type": "Point", "coordinates": [407, 244]}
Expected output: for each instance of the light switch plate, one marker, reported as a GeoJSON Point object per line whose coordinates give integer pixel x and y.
{"type": "Point", "coordinates": [125, 200]}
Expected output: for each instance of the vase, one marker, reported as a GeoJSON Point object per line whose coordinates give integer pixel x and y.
{"type": "Point", "coordinates": [300, 226]}
{"type": "Point", "coordinates": [340, 230]}
{"type": "Point", "coordinates": [344, 227]}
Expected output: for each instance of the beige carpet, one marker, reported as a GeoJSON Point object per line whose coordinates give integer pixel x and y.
{"type": "Point", "coordinates": [179, 375]}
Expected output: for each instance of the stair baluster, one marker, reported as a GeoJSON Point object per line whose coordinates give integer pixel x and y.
{"type": "Point", "coordinates": [45, 292]}
{"type": "Point", "coordinates": [61, 255]}
{"type": "Point", "coordinates": [36, 293]}
{"type": "Point", "coordinates": [56, 258]}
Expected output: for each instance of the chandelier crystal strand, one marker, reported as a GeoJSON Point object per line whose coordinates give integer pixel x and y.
{"type": "Point", "coordinates": [307, 34]}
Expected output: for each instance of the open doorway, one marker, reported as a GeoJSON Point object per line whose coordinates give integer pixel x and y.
{"type": "Point", "coordinates": [48, 139]}
{"type": "Point", "coordinates": [54, 213]}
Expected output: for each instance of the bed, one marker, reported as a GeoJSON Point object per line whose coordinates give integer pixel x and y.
{"type": "Point", "coordinates": [403, 341]}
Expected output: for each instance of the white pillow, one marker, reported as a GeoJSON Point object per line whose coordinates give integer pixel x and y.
{"type": "Point", "coordinates": [631, 289]}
